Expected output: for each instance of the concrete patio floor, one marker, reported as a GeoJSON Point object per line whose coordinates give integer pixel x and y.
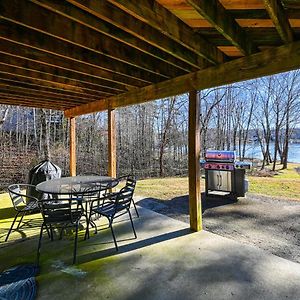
{"type": "Point", "coordinates": [167, 261]}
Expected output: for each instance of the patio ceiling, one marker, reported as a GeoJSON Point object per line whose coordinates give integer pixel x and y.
{"type": "Point", "coordinates": [85, 56]}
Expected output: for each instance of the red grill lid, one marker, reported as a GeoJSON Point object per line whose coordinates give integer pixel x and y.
{"type": "Point", "coordinates": [220, 155]}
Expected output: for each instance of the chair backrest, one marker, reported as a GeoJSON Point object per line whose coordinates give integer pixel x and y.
{"type": "Point", "coordinates": [19, 195]}
{"type": "Point", "coordinates": [123, 198]}
{"type": "Point", "coordinates": [63, 210]}
{"type": "Point", "coordinates": [130, 182]}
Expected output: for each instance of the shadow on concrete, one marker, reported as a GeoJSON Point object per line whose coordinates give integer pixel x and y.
{"type": "Point", "coordinates": [180, 204]}
{"type": "Point", "coordinates": [133, 246]}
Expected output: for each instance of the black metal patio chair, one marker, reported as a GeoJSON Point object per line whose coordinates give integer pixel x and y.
{"type": "Point", "coordinates": [60, 214]}
{"type": "Point", "coordinates": [112, 207]}
{"type": "Point", "coordinates": [128, 182]}
{"type": "Point", "coordinates": [23, 203]}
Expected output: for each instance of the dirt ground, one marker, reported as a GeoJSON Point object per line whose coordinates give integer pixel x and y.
{"type": "Point", "coordinates": [270, 224]}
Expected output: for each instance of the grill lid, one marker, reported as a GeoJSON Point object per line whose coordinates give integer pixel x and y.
{"type": "Point", "coordinates": [220, 156]}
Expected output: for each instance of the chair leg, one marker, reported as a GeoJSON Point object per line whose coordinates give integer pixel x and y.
{"type": "Point", "coordinates": [23, 214]}
{"type": "Point", "coordinates": [75, 244]}
{"type": "Point", "coordinates": [11, 227]}
{"type": "Point", "coordinates": [51, 233]}
{"type": "Point", "coordinates": [132, 223]}
{"type": "Point", "coordinates": [113, 235]}
{"type": "Point", "coordinates": [47, 229]}
{"type": "Point", "coordinates": [137, 213]}
{"type": "Point", "coordinates": [39, 245]}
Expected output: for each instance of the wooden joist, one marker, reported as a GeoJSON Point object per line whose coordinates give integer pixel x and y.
{"type": "Point", "coordinates": [89, 83]}
{"type": "Point", "coordinates": [154, 14]}
{"type": "Point", "coordinates": [49, 79]}
{"type": "Point", "coordinates": [280, 20]}
{"type": "Point", "coordinates": [127, 23]}
{"type": "Point", "coordinates": [51, 23]}
{"type": "Point", "coordinates": [268, 62]}
{"type": "Point", "coordinates": [214, 12]}
{"type": "Point", "coordinates": [104, 78]}
{"type": "Point", "coordinates": [110, 30]}
{"type": "Point", "coordinates": [30, 38]}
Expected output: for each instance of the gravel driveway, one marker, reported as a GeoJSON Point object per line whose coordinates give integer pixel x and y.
{"type": "Point", "coordinates": [270, 224]}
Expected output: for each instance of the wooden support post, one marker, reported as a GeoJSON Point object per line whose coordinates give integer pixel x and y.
{"type": "Point", "coordinates": [194, 166]}
{"type": "Point", "coordinates": [112, 150]}
{"type": "Point", "coordinates": [72, 146]}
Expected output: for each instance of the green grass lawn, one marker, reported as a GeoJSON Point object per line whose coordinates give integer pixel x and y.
{"type": "Point", "coordinates": [284, 185]}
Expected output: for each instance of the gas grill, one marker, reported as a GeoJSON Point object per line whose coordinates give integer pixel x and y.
{"type": "Point", "coordinates": [224, 174]}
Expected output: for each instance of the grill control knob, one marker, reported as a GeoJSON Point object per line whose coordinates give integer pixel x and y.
{"type": "Point", "coordinates": [218, 166]}
{"type": "Point", "coordinates": [227, 167]}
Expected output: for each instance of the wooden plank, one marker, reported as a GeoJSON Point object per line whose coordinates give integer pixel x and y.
{"type": "Point", "coordinates": [50, 23]}
{"type": "Point", "coordinates": [13, 81]}
{"type": "Point", "coordinates": [36, 40]}
{"type": "Point", "coordinates": [112, 148]}
{"type": "Point", "coordinates": [51, 80]}
{"type": "Point", "coordinates": [280, 20]}
{"type": "Point", "coordinates": [112, 14]}
{"type": "Point", "coordinates": [157, 16]}
{"type": "Point", "coordinates": [104, 78]}
{"type": "Point", "coordinates": [194, 162]}
{"type": "Point", "coordinates": [72, 146]}
{"type": "Point", "coordinates": [36, 102]}
{"type": "Point", "coordinates": [217, 15]}
{"type": "Point", "coordinates": [26, 103]}
{"type": "Point", "coordinates": [89, 83]}
{"type": "Point", "coordinates": [41, 93]}
{"type": "Point", "coordinates": [268, 62]}
{"type": "Point", "coordinates": [125, 38]}
{"type": "Point", "coordinates": [14, 78]}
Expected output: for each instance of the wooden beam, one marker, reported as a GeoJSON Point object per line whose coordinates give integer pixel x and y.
{"type": "Point", "coordinates": [39, 93]}
{"type": "Point", "coordinates": [280, 20]}
{"type": "Point", "coordinates": [27, 103]}
{"type": "Point", "coordinates": [267, 62]}
{"type": "Point", "coordinates": [194, 163]}
{"type": "Point", "coordinates": [154, 14]}
{"type": "Point", "coordinates": [72, 146]}
{"type": "Point", "coordinates": [112, 150]}
{"type": "Point", "coordinates": [9, 73]}
{"type": "Point", "coordinates": [120, 19]}
{"type": "Point", "coordinates": [214, 12]}
{"type": "Point", "coordinates": [36, 102]}
{"type": "Point", "coordinates": [89, 83]}
{"type": "Point", "coordinates": [13, 82]}
{"type": "Point", "coordinates": [36, 40]}
{"type": "Point", "coordinates": [50, 23]}
{"type": "Point", "coordinates": [91, 20]}
{"type": "Point", "coordinates": [101, 77]}
{"type": "Point", "coordinates": [51, 80]}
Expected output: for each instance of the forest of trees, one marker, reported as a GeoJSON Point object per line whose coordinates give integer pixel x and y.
{"type": "Point", "coordinates": [152, 137]}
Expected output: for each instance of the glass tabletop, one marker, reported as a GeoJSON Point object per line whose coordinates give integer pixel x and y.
{"type": "Point", "coordinates": [76, 184]}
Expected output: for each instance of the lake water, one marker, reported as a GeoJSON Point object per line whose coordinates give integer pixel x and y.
{"type": "Point", "coordinates": [253, 151]}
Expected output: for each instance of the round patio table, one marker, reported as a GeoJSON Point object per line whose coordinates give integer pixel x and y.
{"type": "Point", "coordinates": [83, 187]}
{"type": "Point", "coordinates": [76, 184]}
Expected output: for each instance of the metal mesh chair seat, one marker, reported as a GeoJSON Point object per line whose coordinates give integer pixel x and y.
{"type": "Point", "coordinates": [109, 209]}
{"type": "Point", "coordinates": [32, 205]}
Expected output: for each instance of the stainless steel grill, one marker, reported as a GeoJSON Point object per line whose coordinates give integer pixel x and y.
{"type": "Point", "coordinates": [224, 174]}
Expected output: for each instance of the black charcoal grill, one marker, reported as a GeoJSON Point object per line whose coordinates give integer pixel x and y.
{"type": "Point", "coordinates": [224, 174]}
